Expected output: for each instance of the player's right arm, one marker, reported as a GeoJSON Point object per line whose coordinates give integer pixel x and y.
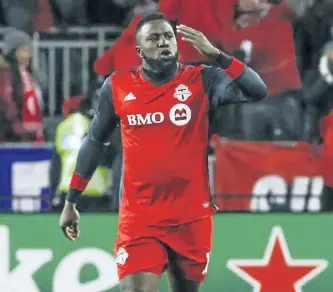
{"type": "Point", "coordinates": [103, 124]}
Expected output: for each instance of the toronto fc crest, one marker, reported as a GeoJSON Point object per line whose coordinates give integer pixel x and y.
{"type": "Point", "coordinates": [182, 93]}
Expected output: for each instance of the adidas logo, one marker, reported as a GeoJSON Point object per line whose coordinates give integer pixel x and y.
{"type": "Point", "coordinates": [129, 96]}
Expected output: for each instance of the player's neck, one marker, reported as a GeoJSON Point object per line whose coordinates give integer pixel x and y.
{"type": "Point", "coordinates": [159, 77]}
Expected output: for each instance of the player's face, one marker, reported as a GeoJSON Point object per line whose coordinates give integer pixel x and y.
{"type": "Point", "coordinates": [157, 45]}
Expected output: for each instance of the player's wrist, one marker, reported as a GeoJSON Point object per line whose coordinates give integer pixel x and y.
{"type": "Point", "coordinates": [77, 185]}
{"type": "Point", "coordinates": [235, 68]}
{"type": "Point", "coordinates": [78, 182]}
{"type": "Point", "coordinates": [73, 196]}
{"type": "Point", "coordinates": [213, 53]}
{"type": "Point", "coordinates": [69, 204]}
{"type": "Point", "coordinates": [223, 60]}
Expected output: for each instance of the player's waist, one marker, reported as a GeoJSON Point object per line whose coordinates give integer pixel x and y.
{"type": "Point", "coordinates": [143, 221]}
{"type": "Point", "coordinates": [165, 171]}
{"type": "Point", "coordinates": [166, 207]}
{"type": "Point", "coordinates": [163, 187]}
{"type": "Point", "coordinates": [165, 158]}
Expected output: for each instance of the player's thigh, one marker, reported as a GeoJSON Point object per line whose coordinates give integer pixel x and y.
{"type": "Point", "coordinates": [189, 254]}
{"type": "Point", "coordinates": [183, 285]}
{"type": "Point", "coordinates": [178, 281]}
{"type": "Point", "coordinates": [140, 262]}
{"type": "Point", "coordinates": [140, 282]}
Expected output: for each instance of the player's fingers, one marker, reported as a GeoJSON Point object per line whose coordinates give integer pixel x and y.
{"type": "Point", "coordinates": [189, 40]}
{"type": "Point", "coordinates": [187, 36]}
{"type": "Point", "coordinates": [73, 230]}
{"type": "Point", "coordinates": [75, 226]}
{"type": "Point", "coordinates": [187, 32]}
{"type": "Point", "coordinates": [66, 233]}
{"type": "Point", "coordinates": [187, 29]}
{"type": "Point", "coordinates": [72, 233]}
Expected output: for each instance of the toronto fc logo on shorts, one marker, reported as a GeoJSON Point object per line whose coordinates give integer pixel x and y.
{"type": "Point", "coordinates": [122, 256]}
{"type": "Point", "coordinates": [180, 114]}
{"type": "Point", "coordinates": [182, 93]}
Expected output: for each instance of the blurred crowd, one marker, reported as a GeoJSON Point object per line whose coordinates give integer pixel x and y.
{"type": "Point", "coordinates": [288, 42]}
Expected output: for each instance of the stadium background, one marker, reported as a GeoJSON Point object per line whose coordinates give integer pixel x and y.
{"type": "Point", "coordinates": [269, 170]}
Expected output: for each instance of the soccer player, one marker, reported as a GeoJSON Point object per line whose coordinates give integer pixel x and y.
{"type": "Point", "coordinates": [163, 108]}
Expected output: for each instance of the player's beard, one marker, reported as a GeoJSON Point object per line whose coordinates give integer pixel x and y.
{"type": "Point", "coordinates": [159, 65]}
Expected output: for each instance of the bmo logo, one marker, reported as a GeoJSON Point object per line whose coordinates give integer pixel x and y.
{"type": "Point", "coordinates": [180, 114]}
{"type": "Point", "coordinates": [147, 119]}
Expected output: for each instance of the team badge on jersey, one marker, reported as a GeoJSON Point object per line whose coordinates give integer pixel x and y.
{"type": "Point", "coordinates": [180, 114]}
{"type": "Point", "coordinates": [122, 256]}
{"type": "Point", "coordinates": [182, 93]}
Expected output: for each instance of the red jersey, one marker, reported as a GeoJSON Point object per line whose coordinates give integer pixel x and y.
{"type": "Point", "coordinates": [165, 137]}
{"type": "Point", "coordinates": [164, 127]}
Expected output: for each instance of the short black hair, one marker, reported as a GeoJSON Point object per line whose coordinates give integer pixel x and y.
{"type": "Point", "coordinates": [148, 18]}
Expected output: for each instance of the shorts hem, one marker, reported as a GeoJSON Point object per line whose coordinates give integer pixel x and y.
{"type": "Point", "coordinates": [153, 270]}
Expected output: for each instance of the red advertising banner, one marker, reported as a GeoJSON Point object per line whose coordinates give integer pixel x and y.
{"type": "Point", "coordinates": [259, 176]}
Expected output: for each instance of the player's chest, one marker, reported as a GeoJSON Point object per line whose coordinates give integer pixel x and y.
{"type": "Point", "coordinates": [173, 104]}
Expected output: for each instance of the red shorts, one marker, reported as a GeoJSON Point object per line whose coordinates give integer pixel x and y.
{"type": "Point", "coordinates": [186, 247]}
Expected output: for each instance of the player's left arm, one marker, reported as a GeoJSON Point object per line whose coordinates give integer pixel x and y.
{"type": "Point", "coordinates": [231, 83]}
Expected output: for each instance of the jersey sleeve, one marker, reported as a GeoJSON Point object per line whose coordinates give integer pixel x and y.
{"type": "Point", "coordinates": [223, 88]}
{"type": "Point", "coordinates": [103, 124]}
{"type": "Point", "coordinates": [105, 120]}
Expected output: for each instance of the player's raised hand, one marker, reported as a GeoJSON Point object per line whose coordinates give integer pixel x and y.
{"type": "Point", "coordinates": [198, 40]}
{"type": "Point", "coordinates": [69, 221]}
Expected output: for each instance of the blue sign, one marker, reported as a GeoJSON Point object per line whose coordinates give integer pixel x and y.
{"type": "Point", "coordinates": [24, 177]}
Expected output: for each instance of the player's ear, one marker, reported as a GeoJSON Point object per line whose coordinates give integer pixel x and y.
{"type": "Point", "coordinates": [138, 51]}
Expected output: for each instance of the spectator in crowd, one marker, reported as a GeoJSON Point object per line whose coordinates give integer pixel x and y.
{"type": "Point", "coordinates": [71, 12]}
{"type": "Point", "coordinates": [108, 11]}
{"type": "Point", "coordinates": [252, 30]}
{"type": "Point", "coordinates": [313, 38]}
{"type": "Point", "coordinates": [314, 50]}
{"type": "Point", "coordinates": [78, 112]}
{"type": "Point", "coordinates": [312, 32]}
{"type": "Point", "coordinates": [122, 54]}
{"type": "Point", "coordinates": [20, 115]}
{"type": "Point", "coordinates": [42, 18]}
{"type": "Point", "coordinates": [28, 15]}
{"type": "Point", "coordinates": [141, 7]}
{"type": "Point", "coordinates": [318, 94]}
{"type": "Point", "coordinates": [277, 119]}
{"type": "Point", "coordinates": [264, 33]}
